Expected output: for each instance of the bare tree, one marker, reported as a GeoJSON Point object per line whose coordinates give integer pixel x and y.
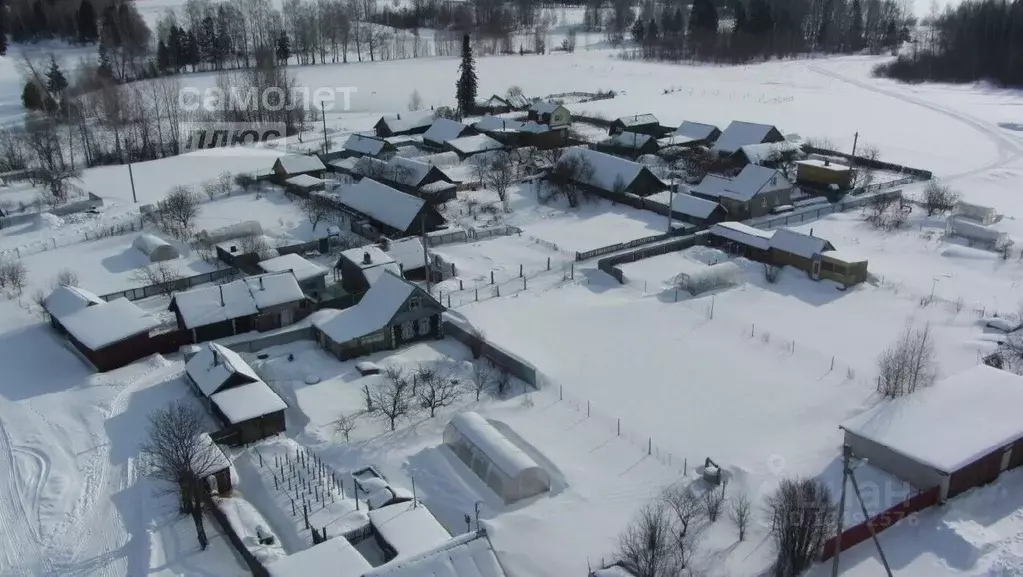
{"type": "Point", "coordinates": [315, 209]}
{"type": "Point", "coordinates": [570, 176]}
{"type": "Point", "coordinates": [503, 382]}
{"type": "Point", "coordinates": [500, 176]}
{"type": "Point", "coordinates": [646, 547]}
{"type": "Point", "coordinates": [178, 452]}
{"type": "Point", "coordinates": [688, 511]}
{"type": "Point", "coordinates": [740, 510]}
{"type": "Point", "coordinates": [477, 339]}
{"type": "Point", "coordinates": [392, 398]}
{"type": "Point", "coordinates": [802, 516]}
{"type": "Point", "coordinates": [66, 277]}
{"type": "Point", "coordinates": [163, 276]}
{"type": "Point", "coordinates": [908, 364]}
{"type": "Point", "coordinates": [345, 424]}
{"type": "Point", "coordinates": [415, 101]}
{"type": "Point", "coordinates": [435, 389]}
{"type": "Point", "coordinates": [482, 376]}
{"type": "Point", "coordinates": [713, 501]}
{"type": "Point", "coordinates": [15, 275]}
{"type": "Point", "coordinates": [179, 211]}
{"type": "Point", "coordinates": [39, 300]}
{"type": "Point", "coordinates": [885, 211]}
{"type": "Point", "coordinates": [869, 153]}
{"type": "Point", "coordinates": [244, 181]}
{"type": "Point", "coordinates": [939, 198]}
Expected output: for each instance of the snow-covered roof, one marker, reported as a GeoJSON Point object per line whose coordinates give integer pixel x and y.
{"type": "Point", "coordinates": [638, 120]}
{"type": "Point", "coordinates": [743, 234]}
{"type": "Point", "coordinates": [830, 165]}
{"type": "Point", "coordinates": [607, 169]}
{"type": "Point", "coordinates": [758, 153]}
{"type": "Point", "coordinates": [613, 571]}
{"type": "Point", "coordinates": [373, 274]}
{"type": "Point", "coordinates": [435, 187]}
{"type": "Point", "coordinates": [335, 557]}
{"type": "Point", "coordinates": [409, 171]}
{"type": "Point", "coordinates": [102, 325]}
{"type": "Point", "coordinates": [517, 100]}
{"type": "Point", "coordinates": [750, 182]}
{"type": "Point", "coordinates": [410, 528]}
{"type": "Point", "coordinates": [273, 289]}
{"type": "Point", "coordinates": [692, 131]}
{"type": "Point", "coordinates": [382, 203]}
{"type": "Point", "coordinates": [239, 404]}
{"type": "Point", "coordinates": [444, 129]}
{"type": "Point", "coordinates": [844, 256]}
{"type": "Point", "coordinates": [372, 313]}
{"type": "Point", "coordinates": [357, 256]}
{"type": "Point", "coordinates": [473, 144]}
{"type": "Point", "coordinates": [489, 122]}
{"type": "Point", "coordinates": [686, 204]}
{"type": "Point", "coordinates": [467, 555]}
{"type": "Point", "coordinates": [544, 107]}
{"type": "Point", "coordinates": [214, 364]}
{"type": "Point", "coordinates": [407, 122]}
{"type": "Point", "coordinates": [408, 252]}
{"type": "Point", "coordinates": [299, 163]}
{"type": "Point", "coordinates": [304, 181]}
{"type": "Point", "coordinates": [950, 424]}
{"type": "Point", "coordinates": [365, 144]}
{"type": "Point", "coordinates": [628, 139]}
{"type": "Point", "coordinates": [302, 269]}
{"type": "Point", "coordinates": [65, 300]}
{"type": "Point", "coordinates": [739, 134]}
{"type": "Point", "coordinates": [218, 461]}
{"type": "Point", "coordinates": [504, 454]}
{"type": "Point", "coordinates": [797, 243]}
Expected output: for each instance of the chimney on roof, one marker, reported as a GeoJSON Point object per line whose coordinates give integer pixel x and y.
{"type": "Point", "coordinates": [811, 232]}
{"type": "Point", "coordinates": [221, 287]}
{"type": "Point", "coordinates": [366, 258]}
{"type": "Point", "coordinates": [216, 356]}
{"type": "Point", "coordinates": [261, 287]}
{"type": "Point", "coordinates": [234, 248]}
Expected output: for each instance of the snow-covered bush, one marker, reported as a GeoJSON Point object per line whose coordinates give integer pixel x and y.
{"type": "Point", "coordinates": [718, 276]}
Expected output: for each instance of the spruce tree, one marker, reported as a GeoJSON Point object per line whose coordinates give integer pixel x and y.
{"type": "Point", "coordinates": [3, 29]}
{"type": "Point", "coordinates": [189, 50]}
{"type": "Point", "coordinates": [56, 82]}
{"type": "Point", "coordinates": [760, 21]}
{"type": "Point", "coordinates": [162, 57]}
{"type": "Point", "coordinates": [87, 30]}
{"type": "Point", "coordinates": [638, 31]}
{"type": "Point", "coordinates": [32, 96]}
{"type": "Point", "coordinates": [855, 41]}
{"type": "Point", "coordinates": [40, 25]}
{"type": "Point", "coordinates": [465, 91]}
{"type": "Point", "coordinates": [175, 49]}
{"type": "Point", "coordinates": [283, 47]}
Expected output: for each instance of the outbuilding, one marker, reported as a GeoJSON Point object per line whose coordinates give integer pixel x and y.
{"type": "Point", "coordinates": [361, 267]}
{"type": "Point", "coordinates": [798, 250]}
{"type": "Point", "coordinates": [468, 146]}
{"type": "Point", "coordinates": [155, 248]}
{"type": "Point", "coordinates": [741, 239]}
{"type": "Point", "coordinates": [691, 209]}
{"type": "Point", "coordinates": [311, 277]}
{"type": "Point", "coordinates": [503, 466]}
{"type": "Point", "coordinates": [404, 530]}
{"type": "Point", "coordinates": [606, 174]}
{"type": "Point", "coordinates": [291, 165]}
{"type": "Point", "coordinates": [690, 134]}
{"type": "Point", "coordinates": [978, 213]}
{"type": "Point", "coordinates": [66, 300]}
{"type": "Point", "coordinates": [359, 145]}
{"type": "Point", "coordinates": [962, 432]}
{"type": "Point", "coordinates": [444, 129]}
{"type": "Point", "coordinates": [110, 335]}
{"type": "Point", "coordinates": [467, 555]}
{"type": "Point", "coordinates": [629, 144]}
{"type": "Point", "coordinates": [823, 174]}
{"type": "Point", "coordinates": [335, 557]}
{"type": "Point", "coordinates": [638, 124]}
{"type": "Point", "coordinates": [416, 123]}
{"type": "Point", "coordinates": [843, 267]}
{"type": "Point", "coordinates": [738, 134]}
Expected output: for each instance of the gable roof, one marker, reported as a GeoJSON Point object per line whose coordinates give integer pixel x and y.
{"type": "Point", "coordinates": [409, 252]}
{"type": "Point", "coordinates": [335, 557]}
{"type": "Point", "coordinates": [410, 528]}
{"type": "Point", "coordinates": [240, 298]}
{"type": "Point", "coordinates": [687, 204]}
{"type": "Point", "coordinates": [950, 424]}
{"type": "Point", "coordinates": [273, 289]}
{"type": "Point", "coordinates": [65, 300]}
{"type": "Point", "coordinates": [302, 268]}
{"type": "Point", "coordinates": [299, 163]}
{"type": "Point", "coordinates": [739, 134]}
{"type": "Point", "coordinates": [366, 144]}
{"type": "Point", "coordinates": [626, 139]}
{"type": "Point", "coordinates": [500, 124]}
{"type": "Point", "coordinates": [409, 171]}
{"type": "Point", "coordinates": [743, 234]}
{"type": "Point", "coordinates": [304, 181]}
{"type": "Point", "coordinates": [407, 122]}
{"type": "Point", "coordinates": [251, 400]}
{"type": "Point", "coordinates": [758, 153]}
{"type": "Point", "coordinates": [444, 129]}
{"type": "Point", "coordinates": [473, 144]}
{"type": "Point", "coordinates": [382, 203]}
{"type": "Point", "coordinates": [517, 100]}
{"type": "Point", "coordinates": [213, 365]}
{"type": "Point", "coordinates": [467, 555]}
{"type": "Point", "coordinates": [607, 169]}
{"type": "Point", "coordinates": [101, 325]}
{"type": "Point", "coordinates": [693, 131]}
{"type": "Point", "coordinates": [374, 311]}
{"type": "Point", "coordinates": [750, 182]}
{"type": "Point", "coordinates": [358, 255]}
{"type": "Point", "coordinates": [544, 107]}
{"type": "Point", "coordinates": [637, 120]}
{"type": "Point", "coordinates": [797, 243]}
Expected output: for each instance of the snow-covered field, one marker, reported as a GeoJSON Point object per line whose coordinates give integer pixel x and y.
{"type": "Point", "coordinates": [760, 387]}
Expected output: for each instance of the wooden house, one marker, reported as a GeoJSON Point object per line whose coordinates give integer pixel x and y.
{"type": "Point", "coordinates": [388, 211]}
{"type": "Point", "coordinates": [442, 130]}
{"type": "Point", "coordinates": [823, 174]}
{"type": "Point", "coordinates": [402, 125]}
{"type": "Point", "coordinates": [605, 174]}
{"type": "Point", "coordinates": [109, 335]}
{"type": "Point", "coordinates": [361, 267]}
{"type": "Point", "coordinates": [638, 123]}
{"type": "Point", "coordinates": [769, 154]}
{"type": "Point", "coordinates": [629, 144]}
{"type": "Point", "coordinates": [419, 178]}
{"type": "Point", "coordinates": [690, 134]}
{"type": "Point", "coordinates": [739, 134]}
{"type": "Point", "coordinates": [65, 300]}
{"type": "Point", "coordinates": [798, 250]}
{"type": "Point", "coordinates": [514, 133]}
{"type": "Point", "coordinates": [741, 239]}
{"type": "Point", "coordinates": [359, 145]}
{"type": "Point", "coordinates": [311, 277]}
{"type": "Point", "coordinates": [394, 312]}
{"type": "Point", "coordinates": [291, 165]}
{"type": "Point", "coordinates": [549, 113]}
{"type": "Point", "coordinates": [752, 193]}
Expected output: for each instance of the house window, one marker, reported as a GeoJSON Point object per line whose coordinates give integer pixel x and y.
{"type": "Point", "coordinates": [424, 326]}
{"type": "Point", "coordinates": [414, 304]}
{"type": "Point", "coordinates": [763, 203]}
{"type": "Point", "coordinates": [408, 330]}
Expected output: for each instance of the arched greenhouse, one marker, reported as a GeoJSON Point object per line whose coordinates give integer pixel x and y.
{"type": "Point", "coordinates": [502, 465]}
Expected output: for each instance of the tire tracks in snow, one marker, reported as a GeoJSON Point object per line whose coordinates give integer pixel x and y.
{"type": "Point", "coordinates": [1009, 150]}
{"type": "Point", "coordinates": [15, 543]}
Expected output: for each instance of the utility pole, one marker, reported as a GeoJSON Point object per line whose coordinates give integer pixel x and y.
{"type": "Point", "coordinates": [426, 254]}
{"type": "Point", "coordinates": [856, 138]}
{"type": "Point", "coordinates": [671, 201]}
{"type": "Point", "coordinates": [841, 512]}
{"type": "Point", "coordinates": [323, 117]}
{"type": "Point", "coordinates": [873, 534]}
{"type": "Point", "coordinates": [131, 176]}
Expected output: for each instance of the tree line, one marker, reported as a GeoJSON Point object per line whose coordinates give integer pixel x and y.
{"type": "Point", "coordinates": [979, 39]}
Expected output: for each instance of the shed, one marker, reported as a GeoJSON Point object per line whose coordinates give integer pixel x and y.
{"type": "Point", "coordinates": [336, 557]}
{"type": "Point", "coordinates": [311, 277]}
{"type": "Point", "coordinates": [738, 134]}
{"type": "Point", "coordinates": [467, 555]}
{"type": "Point", "coordinates": [691, 209]}
{"type": "Point", "coordinates": [693, 133]}
{"type": "Point", "coordinates": [770, 154]}
{"type": "Point", "coordinates": [410, 256]}
{"type": "Point", "coordinates": [407, 529]}
{"type": "Point", "coordinates": [606, 173]}
{"type": "Point", "coordinates": [976, 233]}
{"type": "Point", "coordinates": [216, 368]}
{"type": "Point", "coordinates": [962, 432]}
{"type": "Point", "coordinates": [110, 334]}
{"type": "Point", "coordinates": [217, 467]}
{"type": "Point", "coordinates": [616, 570]}
{"type": "Point", "coordinates": [982, 214]}
{"type": "Point", "coordinates": [416, 123]}
{"type": "Point", "coordinates": [504, 467]}
{"type": "Point", "coordinates": [303, 184]}
{"type": "Point", "coordinates": [443, 129]}
{"type": "Point", "coordinates": [630, 144]}
{"type": "Point", "coordinates": [295, 164]}
{"type": "Point", "coordinates": [250, 412]}
{"type": "Point", "coordinates": [741, 238]}
{"type": "Point", "coordinates": [467, 146]}
{"type": "Point", "coordinates": [242, 229]}
{"type": "Point", "coordinates": [155, 248]}
{"type": "Point", "coordinates": [362, 145]}
{"type": "Point", "coordinates": [843, 267]}
{"type": "Point", "coordinates": [637, 123]}
{"type": "Point", "coordinates": [823, 173]}
{"type": "Point", "coordinates": [361, 267]}
{"type": "Point", "coordinates": [65, 300]}
{"type": "Point", "coordinates": [795, 249]}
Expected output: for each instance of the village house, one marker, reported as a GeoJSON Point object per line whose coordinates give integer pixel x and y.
{"type": "Point", "coordinates": [291, 165]}
{"type": "Point", "coordinates": [413, 123]}
{"type": "Point", "coordinates": [798, 250]}
{"type": "Point", "coordinates": [261, 302]}
{"type": "Point", "coordinates": [410, 256]}
{"type": "Point", "coordinates": [497, 104]}
{"type": "Point", "coordinates": [304, 184]}
{"type": "Point", "coordinates": [514, 134]}
{"type": "Point", "coordinates": [751, 193]}
{"type": "Point", "coordinates": [359, 145]}
{"type": "Point", "coordinates": [639, 124]}
{"type": "Point", "coordinates": [605, 174]}
{"type": "Point", "coordinates": [394, 312]}
{"type": "Point", "coordinates": [361, 267]}
{"type": "Point", "coordinates": [386, 211]}
{"type": "Point", "coordinates": [311, 277]}
{"type": "Point", "coordinates": [962, 432]}
{"type": "Point", "coordinates": [467, 146]}
{"type": "Point", "coordinates": [109, 335]}
{"type": "Point", "coordinates": [442, 130]}
{"type": "Point", "coordinates": [823, 174]}
{"type": "Point", "coordinates": [549, 113]}
{"type": "Point", "coordinates": [770, 154]}
{"type": "Point", "coordinates": [691, 209]}
{"type": "Point", "coordinates": [419, 178]}
{"type": "Point", "coordinates": [629, 144]}
{"type": "Point", "coordinates": [690, 134]}
{"type": "Point", "coordinates": [247, 408]}
{"type": "Point", "coordinates": [738, 134]}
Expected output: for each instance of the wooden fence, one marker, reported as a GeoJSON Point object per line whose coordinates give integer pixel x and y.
{"type": "Point", "coordinates": [620, 246]}
{"type": "Point", "coordinates": [178, 285]}
{"type": "Point", "coordinates": [860, 533]}
{"type": "Point", "coordinates": [860, 161]}
{"type": "Point", "coordinates": [255, 567]}
{"type": "Point", "coordinates": [500, 357]}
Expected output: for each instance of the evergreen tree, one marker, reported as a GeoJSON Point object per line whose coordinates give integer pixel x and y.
{"type": "Point", "coordinates": [189, 50]}
{"type": "Point", "coordinates": [40, 24]}
{"type": "Point", "coordinates": [206, 39]}
{"type": "Point", "coordinates": [33, 97]}
{"type": "Point", "coordinates": [703, 18]}
{"type": "Point", "coordinates": [760, 20]}
{"type": "Point", "coordinates": [175, 49]}
{"type": "Point", "coordinates": [223, 48]}
{"type": "Point", "coordinates": [87, 30]}
{"type": "Point", "coordinates": [638, 32]}
{"type": "Point", "coordinates": [855, 41]}
{"type": "Point", "coordinates": [56, 82]}
{"type": "Point", "coordinates": [465, 92]}
{"type": "Point", "coordinates": [283, 47]}
{"type": "Point", "coordinates": [652, 32]}
{"type": "Point", "coordinates": [3, 29]}
{"type": "Point", "coordinates": [104, 70]}
{"type": "Point", "coordinates": [163, 63]}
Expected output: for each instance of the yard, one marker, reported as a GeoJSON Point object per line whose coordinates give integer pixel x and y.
{"type": "Point", "coordinates": [500, 259]}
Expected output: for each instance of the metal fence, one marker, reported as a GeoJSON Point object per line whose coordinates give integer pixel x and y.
{"type": "Point", "coordinates": [619, 246]}
{"type": "Point", "coordinates": [447, 238]}
{"type": "Point", "coordinates": [178, 285]}
{"type": "Point", "coordinates": [812, 213]}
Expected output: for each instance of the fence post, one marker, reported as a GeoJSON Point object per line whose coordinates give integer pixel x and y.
{"type": "Point", "coordinates": [548, 263]}
{"type": "Point", "coordinates": [460, 287]}
{"type": "Point", "coordinates": [491, 277]}
{"type": "Point", "coordinates": [619, 426]}
{"type": "Point", "coordinates": [587, 407]}
{"type": "Point", "coordinates": [561, 392]}
{"type": "Point", "coordinates": [649, 445]}
{"type": "Point", "coordinates": [520, 269]}
{"type": "Point", "coordinates": [523, 283]}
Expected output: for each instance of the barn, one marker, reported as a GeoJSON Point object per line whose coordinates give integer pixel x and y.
{"type": "Point", "coordinates": [960, 433]}
{"type": "Point", "coordinates": [291, 165]}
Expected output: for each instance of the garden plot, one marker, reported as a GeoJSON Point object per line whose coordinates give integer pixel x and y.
{"type": "Point", "coordinates": [497, 260]}
{"type": "Point", "coordinates": [662, 272]}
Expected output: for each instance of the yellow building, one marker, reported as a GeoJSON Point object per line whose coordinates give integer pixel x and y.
{"type": "Point", "coordinates": [823, 173]}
